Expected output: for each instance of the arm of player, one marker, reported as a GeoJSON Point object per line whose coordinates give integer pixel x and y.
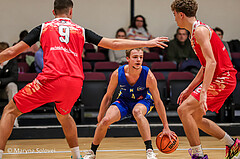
{"type": "Point", "coordinates": [27, 42]}
{"type": "Point", "coordinates": [202, 35]}
{"type": "Point", "coordinates": [195, 82]}
{"type": "Point", "coordinates": [152, 85]}
{"type": "Point", "coordinates": [106, 101]}
{"type": "Point", "coordinates": [13, 51]}
{"type": "Point", "coordinates": [124, 44]}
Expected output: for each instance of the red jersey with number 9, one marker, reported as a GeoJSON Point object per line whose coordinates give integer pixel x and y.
{"type": "Point", "coordinates": [62, 43]}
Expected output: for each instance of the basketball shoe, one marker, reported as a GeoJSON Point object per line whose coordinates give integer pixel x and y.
{"type": "Point", "coordinates": [150, 154]}
{"type": "Point", "coordinates": [89, 155]}
{"type": "Point", "coordinates": [196, 156]}
{"type": "Point", "coordinates": [233, 152]}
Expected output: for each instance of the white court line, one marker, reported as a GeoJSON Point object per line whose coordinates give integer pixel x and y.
{"type": "Point", "coordinates": [47, 152]}
{"type": "Point", "coordinates": [114, 125]}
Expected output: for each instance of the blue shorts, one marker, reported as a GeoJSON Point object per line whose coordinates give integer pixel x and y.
{"type": "Point", "coordinates": [126, 106]}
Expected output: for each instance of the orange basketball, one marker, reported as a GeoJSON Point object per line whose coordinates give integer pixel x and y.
{"type": "Point", "coordinates": [165, 145]}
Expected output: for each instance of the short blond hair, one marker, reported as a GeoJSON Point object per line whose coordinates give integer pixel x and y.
{"type": "Point", "coordinates": [128, 52]}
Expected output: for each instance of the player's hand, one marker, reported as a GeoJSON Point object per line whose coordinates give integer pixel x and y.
{"type": "Point", "coordinates": [203, 102]}
{"type": "Point", "coordinates": [171, 135]}
{"type": "Point", "coordinates": [158, 42]}
{"type": "Point", "coordinates": [99, 117]}
{"type": "Point", "coordinates": [184, 95]}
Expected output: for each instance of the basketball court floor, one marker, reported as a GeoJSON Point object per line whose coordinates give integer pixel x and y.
{"type": "Point", "coordinates": [111, 148]}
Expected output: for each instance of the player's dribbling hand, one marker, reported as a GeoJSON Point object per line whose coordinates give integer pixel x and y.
{"type": "Point", "coordinates": [171, 135]}
{"type": "Point", "coordinates": [158, 42]}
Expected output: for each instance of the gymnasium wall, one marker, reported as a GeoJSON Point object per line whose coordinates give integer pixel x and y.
{"type": "Point", "coordinates": [106, 16]}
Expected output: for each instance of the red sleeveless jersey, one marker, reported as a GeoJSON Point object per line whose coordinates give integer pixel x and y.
{"type": "Point", "coordinates": [62, 43]}
{"type": "Point", "coordinates": [220, 52]}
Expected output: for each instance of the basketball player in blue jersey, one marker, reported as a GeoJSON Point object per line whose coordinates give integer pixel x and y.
{"type": "Point", "coordinates": [134, 100]}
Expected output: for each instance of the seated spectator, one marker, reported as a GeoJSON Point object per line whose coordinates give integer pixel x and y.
{"type": "Point", "coordinates": [27, 55]}
{"type": "Point", "coordinates": [39, 60]}
{"type": "Point", "coordinates": [34, 48]}
{"type": "Point", "coordinates": [179, 49]}
{"type": "Point", "coordinates": [220, 33]}
{"type": "Point", "coordinates": [118, 56]}
{"type": "Point", "coordinates": [138, 30]}
{"type": "Point", "coordinates": [8, 77]}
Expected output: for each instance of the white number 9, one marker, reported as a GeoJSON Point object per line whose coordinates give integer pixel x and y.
{"type": "Point", "coordinates": [64, 31]}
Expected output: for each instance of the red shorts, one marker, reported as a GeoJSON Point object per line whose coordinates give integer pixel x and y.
{"type": "Point", "coordinates": [220, 88]}
{"type": "Point", "coordinates": [63, 91]}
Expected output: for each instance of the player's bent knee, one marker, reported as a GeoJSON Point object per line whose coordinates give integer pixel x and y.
{"type": "Point", "coordinates": [180, 111]}
{"type": "Point", "coordinates": [137, 113]}
{"type": "Point", "coordinates": [106, 121]}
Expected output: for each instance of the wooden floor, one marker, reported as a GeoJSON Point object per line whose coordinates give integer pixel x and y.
{"type": "Point", "coordinates": [111, 148]}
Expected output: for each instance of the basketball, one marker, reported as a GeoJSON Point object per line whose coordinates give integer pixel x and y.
{"type": "Point", "coordinates": [165, 145]}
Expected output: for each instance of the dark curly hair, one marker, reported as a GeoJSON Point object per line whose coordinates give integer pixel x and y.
{"type": "Point", "coordinates": [188, 7]}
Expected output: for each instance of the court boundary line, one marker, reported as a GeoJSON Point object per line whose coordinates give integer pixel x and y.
{"type": "Point", "coordinates": [129, 150]}
{"type": "Point", "coordinates": [114, 125]}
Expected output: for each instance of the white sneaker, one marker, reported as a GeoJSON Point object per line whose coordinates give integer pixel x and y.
{"type": "Point", "coordinates": [89, 155]}
{"type": "Point", "coordinates": [150, 154]}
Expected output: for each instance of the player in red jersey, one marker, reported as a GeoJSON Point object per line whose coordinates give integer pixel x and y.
{"type": "Point", "coordinates": [62, 76]}
{"type": "Point", "coordinates": [217, 76]}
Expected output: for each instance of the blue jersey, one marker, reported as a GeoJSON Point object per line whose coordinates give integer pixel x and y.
{"type": "Point", "coordinates": [136, 92]}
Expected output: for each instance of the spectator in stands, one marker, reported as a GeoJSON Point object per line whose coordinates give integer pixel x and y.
{"type": "Point", "coordinates": [179, 49]}
{"type": "Point", "coordinates": [138, 30]}
{"type": "Point", "coordinates": [220, 33]}
{"type": "Point", "coordinates": [118, 56]}
{"type": "Point", "coordinates": [34, 48]}
{"type": "Point", "coordinates": [27, 55]}
{"type": "Point", "coordinates": [8, 77]}
{"type": "Point", "coordinates": [39, 60]}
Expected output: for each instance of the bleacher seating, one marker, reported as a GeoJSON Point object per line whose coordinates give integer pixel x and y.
{"type": "Point", "coordinates": [165, 67]}
{"type": "Point", "coordinates": [23, 67]}
{"type": "Point", "coordinates": [235, 105]}
{"type": "Point", "coordinates": [94, 88]}
{"type": "Point", "coordinates": [161, 84]}
{"type": "Point", "coordinates": [93, 57]}
{"type": "Point", "coordinates": [151, 57]}
{"type": "Point", "coordinates": [236, 60]}
{"type": "Point", "coordinates": [89, 47]}
{"type": "Point", "coordinates": [177, 82]}
{"type": "Point", "coordinates": [87, 67]}
{"type": "Point", "coordinates": [106, 67]}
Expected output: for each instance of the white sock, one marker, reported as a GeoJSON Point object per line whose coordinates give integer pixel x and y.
{"type": "Point", "coordinates": [75, 152]}
{"type": "Point", "coordinates": [1, 153]}
{"type": "Point", "coordinates": [198, 150]}
{"type": "Point", "coordinates": [227, 140]}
